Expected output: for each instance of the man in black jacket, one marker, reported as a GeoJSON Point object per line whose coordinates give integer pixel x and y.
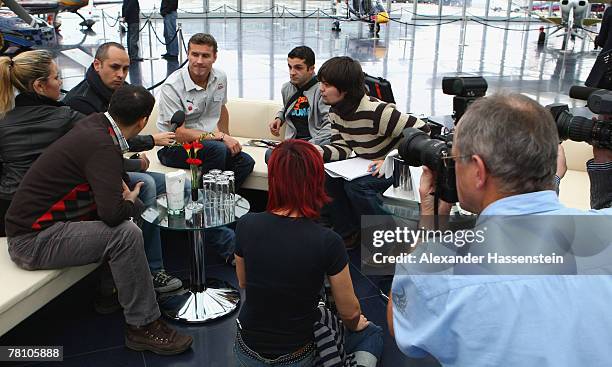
{"type": "Point", "coordinates": [597, 77]}
{"type": "Point", "coordinates": [168, 11]}
{"type": "Point", "coordinates": [104, 76]}
{"type": "Point", "coordinates": [131, 15]}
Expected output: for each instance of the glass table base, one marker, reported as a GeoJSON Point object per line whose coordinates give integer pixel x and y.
{"type": "Point", "coordinates": [219, 298]}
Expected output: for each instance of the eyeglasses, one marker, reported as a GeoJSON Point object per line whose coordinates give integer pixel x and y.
{"type": "Point", "coordinates": [451, 158]}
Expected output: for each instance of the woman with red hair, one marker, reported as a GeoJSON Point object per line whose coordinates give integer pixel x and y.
{"type": "Point", "coordinates": [282, 257]}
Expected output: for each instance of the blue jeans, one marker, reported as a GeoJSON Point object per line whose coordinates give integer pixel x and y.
{"type": "Point", "coordinates": [153, 184]}
{"type": "Point", "coordinates": [366, 344]}
{"type": "Point", "coordinates": [352, 199]}
{"type": "Point", "coordinates": [246, 357]}
{"type": "Point", "coordinates": [133, 34]}
{"type": "Point", "coordinates": [214, 155]}
{"type": "Point", "coordinates": [169, 34]}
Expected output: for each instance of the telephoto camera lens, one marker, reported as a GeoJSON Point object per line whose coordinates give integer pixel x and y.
{"type": "Point", "coordinates": [578, 128]}
{"type": "Point", "coordinates": [418, 149]}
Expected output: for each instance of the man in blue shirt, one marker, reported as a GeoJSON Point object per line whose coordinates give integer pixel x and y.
{"type": "Point", "coordinates": [505, 149]}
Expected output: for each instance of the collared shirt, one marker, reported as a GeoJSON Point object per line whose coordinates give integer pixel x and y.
{"type": "Point", "coordinates": [123, 144]}
{"type": "Point", "coordinates": [202, 107]}
{"type": "Point", "coordinates": [527, 320]}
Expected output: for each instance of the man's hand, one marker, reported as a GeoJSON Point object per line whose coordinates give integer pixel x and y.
{"type": "Point", "coordinates": [426, 189]}
{"type": "Point", "coordinates": [362, 324]}
{"type": "Point", "coordinates": [602, 155]}
{"type": "Point", "coordinates": [164, 139]}
{"type": "Point", "coordinates": [131, 195]}
{"type": "Point", "coordinates": [561, 162]}
{"type": "Point", "coordinates": [375, 167]}
{"type": "Point", "coordinates": [144, 162]}
{"type": "Point", "coordinates": [182, 135]}
{"type": "Point", "coordinates": [275, 126]}
{"type": "Point", "coordinates": [232, 144]}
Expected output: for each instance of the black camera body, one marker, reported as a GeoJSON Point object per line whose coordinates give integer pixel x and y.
{"type": "Point", "coordinates": [597, 133]}
{"type": "Point", "coordinates": [466, 90]}
{"type": "Point", "coordinates": [419, 149]}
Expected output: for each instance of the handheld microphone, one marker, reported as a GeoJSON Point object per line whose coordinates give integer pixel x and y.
{"type": "Point", "coordinates": [177, 120]}
{"type": "Point", "coordinates": [583, 93]}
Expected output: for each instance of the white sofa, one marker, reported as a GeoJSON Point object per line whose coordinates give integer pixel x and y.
{"type": "Point", "coordinates": [23, 292]}
{"type": "Point", "coordinates": [248, 120]}
{"type": "Point", "coordinates": [575, 188]}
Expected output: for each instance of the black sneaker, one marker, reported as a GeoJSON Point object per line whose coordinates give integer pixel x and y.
{"type": "Point", "coordinates": [163, 282]}
{"type": "Point", "coordinates": [106, 304]}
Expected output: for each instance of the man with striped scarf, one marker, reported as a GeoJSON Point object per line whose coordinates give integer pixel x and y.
{"type": "Point", "coordinates": [362, 125]}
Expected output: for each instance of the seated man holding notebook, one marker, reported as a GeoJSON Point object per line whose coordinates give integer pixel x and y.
{"type": "Point", "coordinates": [362, 125]}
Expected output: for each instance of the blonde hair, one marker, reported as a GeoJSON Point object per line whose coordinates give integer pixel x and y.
{"type": "Point", "coordinates": [21, 72]}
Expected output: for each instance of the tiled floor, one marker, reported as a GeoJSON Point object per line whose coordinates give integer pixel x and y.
{"type": "Point", "coordinates": [253, 54]}
{"type": "Point", "coordinates": [93, 340]}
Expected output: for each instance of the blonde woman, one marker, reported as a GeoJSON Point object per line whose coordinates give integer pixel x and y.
{"type": "Point", "coordinates": [30, 120]}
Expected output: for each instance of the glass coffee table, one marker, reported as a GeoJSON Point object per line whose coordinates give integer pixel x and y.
{"type": "Point", "coordinates": [207, 298]}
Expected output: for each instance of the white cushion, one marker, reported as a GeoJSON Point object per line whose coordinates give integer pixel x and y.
{"type": "Point", "coordinates": [24, 292]}
{"type": "Point", "coordinates": [577, 154]}
{"type": "Point", "coordinates": [575, 189]}
{"type": "Point", "coordinates": [248, 120]}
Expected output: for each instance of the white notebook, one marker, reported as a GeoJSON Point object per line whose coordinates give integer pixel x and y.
{"type": "Point", "coordinates": [349, 169]}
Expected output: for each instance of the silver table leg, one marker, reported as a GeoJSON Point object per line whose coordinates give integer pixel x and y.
{"type": "Point", "coordinates": [207, 299]}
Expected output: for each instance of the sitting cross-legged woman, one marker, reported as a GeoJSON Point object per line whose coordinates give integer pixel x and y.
{"type": "Point", "coordinates": [282, 259]}
{"type": "Point", "coordinates": [30, 121]}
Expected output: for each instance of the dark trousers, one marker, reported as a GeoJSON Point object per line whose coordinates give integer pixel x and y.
{"type": "Point", "coordinates": [78, 243]}
{"type": "Point", "coordinates": [4, 205]}
{"type": "Point", "coordinates": [214, 155]}
{"type": "Point", "coordinates": [351, 200]}
{"type": "Point", "coordinates": [133, 34]}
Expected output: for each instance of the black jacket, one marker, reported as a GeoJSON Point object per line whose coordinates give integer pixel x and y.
{"type": "Point", "coordinates": [91, 96]}
{"type": "Point", "coordinates": [26, 131]}
{"type": "Point", "coordinates": [167, 7]}
{"type": "Point", "coordinates": [596, 78]}
{"type": "Point", "coordinates": [131, 11]}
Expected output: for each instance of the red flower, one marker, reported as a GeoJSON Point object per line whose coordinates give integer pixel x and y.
{"type": "Point", "coordinates": [187, 147]}
{"type": "Point", "coordinates": [194, 161]}
{"type": "Point", "coordinates": [197, 145]}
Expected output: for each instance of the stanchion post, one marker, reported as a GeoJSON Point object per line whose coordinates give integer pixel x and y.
{"type": "Point", "coordinates": [103, 25]}
{"type": "Point", "coordinates": [119, 28]}
{"type": "Point", "coordinates": [150, 41]}
{"type": "Point", "coordinates": [180, 41]}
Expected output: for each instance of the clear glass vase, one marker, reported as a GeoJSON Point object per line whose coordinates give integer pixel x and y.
{"type": "Point", "coordinates": [194, 204]}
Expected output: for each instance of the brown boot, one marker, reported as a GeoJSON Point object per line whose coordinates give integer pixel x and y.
{"type": "Point", "coordinates": [156, 337]}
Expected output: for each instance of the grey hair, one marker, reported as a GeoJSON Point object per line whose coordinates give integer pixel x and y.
{"type": "Point", "coordinates": [516, 138]}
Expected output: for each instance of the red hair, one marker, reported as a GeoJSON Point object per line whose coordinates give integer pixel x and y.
{"type": "Point", "coordinates": [296, 179]}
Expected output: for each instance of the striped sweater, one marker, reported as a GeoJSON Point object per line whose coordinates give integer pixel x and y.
{"type": "Point", "coordinates": [372, 131]}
